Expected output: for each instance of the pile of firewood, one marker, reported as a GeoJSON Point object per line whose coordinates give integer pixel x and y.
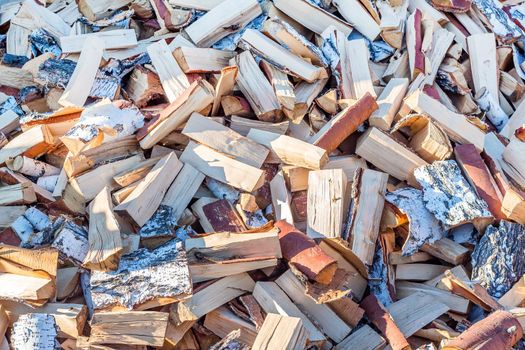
{"type": "Point", "coordinates": [267, 175]}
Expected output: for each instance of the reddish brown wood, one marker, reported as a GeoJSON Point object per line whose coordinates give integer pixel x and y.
{"type": "Point", "coordinates": [455, 6]}
{"type": "Point", "coordinates": [223, 217]}
{"type": "Point", "coordinates": [302, 252]}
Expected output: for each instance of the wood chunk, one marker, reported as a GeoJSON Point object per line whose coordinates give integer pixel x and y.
{"type": "Point", "coordinates": [162, 277]}
{"type": "Point", "coordinates": [256, 88]}
{"type": "Point", "coordinates": [281, 199]}
{"type": "Point", "coordinates": [194, 99]}
{"type": "Point", "coordinates": [444, 188]}
{"type": "Point", "coordinates": [326, 203]}
{"type": "Point", "coordinates": [80, 83]}
{"type": "Point", "coordinates": [365, 338]}
{"type": "Point", "coordinates": [236, 105]}
{"type": "Point", "coordinates": [35, 331]}
{"type": "Point", "coordinates": [290, 150]}
{"type": "Point", "coordinates": [333, 133]}
{"type": "Point", "coordinates": [447, 250]}
{"type": "Point", "coordinates": [380, 317]}
{"type": "Point", "coordinates": [483, 62]}
{"type": "Point", "coordinates": [71, 240]}
{"type": "Point", "coordinates": [32, 167]}
{"type": "Point", "coordinates": [15, 77]}
{"type": "Point", "coordinates": [430, 142]}
{"type": "Point", "coordinates": [171, 76]}
{"type": "Point", "coordinates": [142, 203]}
{"type": "Point", "coordinates": [423, 226]}
{"type": "Point", "coordinates": [493, 263]}
{"type": "Point", "coordinates": [281, 332]}
{"type": "Point", "coordinates": [300, 250]}
{"type": "Point", "coordinates": [389, 103]}
{"type": "Point", "coordinates": [498, 330]}
{"type": "Point", "coordinates": [284, 90]}
{"type": "Point", "coordinates": [105, 244]}
{"type": "Point", "coordinates": [32, 143]}
{"type": "Point", "coordinates": [392, 23]}
{"type": "Point", "coordinates": [198, 60]}
{"type": "Point", "coordinates": [367, 200]}
{"type": "Point", "coordinates": [491, 107]}
{"type": "Point", "coordinates": [129, 328]}
{"type": "Point", "coordinates": [8, 214]}
{"type": "Point", "coordinates": [9, 121]}
{"type": "Point", "coordinates": [353, 12]}
{"type": "Point", "coordinates": [500, 23]}
{"type": "Point", "coordinates": [22, 193]}
{"type": "Point", "coordinates": [170, 18]}
{"type": "Point", "coordinates": [414, 40]}
{"type": "Point", "coordinates": [311, 16]}
{"type": "Point", "coordinates": [223, 139]}
{"type": "Point", "coordinates": [143, 86]}
{"type": "Point", "coordinates": [113, 39]}
{"type": "Point", "coordinates": [418, 272]}
{"type": "Point", "coordinates": [211, 297]}
{"type": "Point", "coordinates": [243, 126]}
{"type": "Point", "coordinates": [327, 320]}
{"type": "Point", "coordinates": [296, 177]}
{"type": "Point", "coordinates": [224, 86]}
{"type": "Point", "coordinates": [95, 10]}
{"type": "Point", "coordinates": [27, 288]}
{"type": "Point", "coordinates": [415, 311]}
{"type": "Point", "coordinates": [454, 302]}
{"type": "Point", "coordinates": [515, 296]}
{"type": "Point", "coordinates": [203, 271]}
{"type": "Point", "coordinates": [305, 93]}
{"type": "Point", "coordinates": [222, 321]}
{"type": "Point", "coordinates": [388, 155]}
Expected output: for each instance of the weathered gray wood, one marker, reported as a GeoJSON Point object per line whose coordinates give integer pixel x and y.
{"type": "Point", "coordinates": [35, 332]}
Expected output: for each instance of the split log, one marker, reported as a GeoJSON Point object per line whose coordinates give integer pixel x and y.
{"type": "Point", "coordinates": [236, 105]}
{"type": "Point", "coordinates": [304, 254]}
{"type": "Point", "coordinates": [418, 272]}
{"type": "Point", "coordinates": [355, 13]}
{"type": "Point", "coordinates": [515, 297]}
{"type": "Point", "coordinates": [226, 18]}
{"type": "Point", "coordinates": [305, 94]}
{"type": "Point", "coordinates": [344, 124]}
{"type": "Point", "coordinates": [211, 297]}
{"type": "Point", "coordinates": [491, 107]}
{"type": "Point", "coordinates": [273, 300]}
{"type": "Point", "coordinates": [284, 90]}
{"type": "Point", "coordinates": [105, 244]}
{"type": "Point", "coordinates": [392, 23]}
{"type": "Point", "coordinates": [281, 332]}
{"type": "Point", "coordinates": [493, 263]}
{"type": "Point", "coordinates": [35, 331]}
{"type": "Point", "coordinates": [454, 6]}
{"type": "Point", "coordinates": [500, 330]}
{"type": "Point", "coordinates": [112, 39]}
{"type": "Point", "coordinates": [143, 86]}
{"type": "Point", "coordinates": [326, 205]}
{"type": "Point", "coordinates": [256, 88]}
{"type": "Point", "coordinates": [22, 193]}
{"type": "Point", "coordinates": [9, 121]}
{"type": "Point", "coordinates": [199, 60]}
{"type": "Point", "coordinates": [380, 317]}
{"type": "Point", "coordinates": [162, 277]}
{"type": "Point", "coordinates": [9, 214]}
{"type": "Point", "coordinates": [501, 24]}
{"type": "Point", "coordinates": [205, 271]}
{"type": "Point", "coordinates": [363, 338]}
{"type": "Point", "coordinates": [389, 103]}
{"type": "Point", "coordinates": [15, 77]}
{"type": "Point", "coordinates": [170, 18]}
{"type": "Point", "coordinates": [224, 87]}
{"type": "Point", "coordinates": [95, 10]}
{"type": "Point", "coordinates": [27, 288]}
{"type": "Point", "coordinates": [129, 328]}
{"type": "Point", "coordinates": [414, 40]}
{"type": "Point", "coordinates": [195, 98]}
{"type": "Point", "coordinates": [454, 302]}
{"type": "Point", "coordinates": [447, 250]}
{"type": "Point", "coordinates": [32, 167]}
{"type": "Point", "coordinates": [356, 80]}
{"type": "Point", "coordinates": [230, 342]}
{"type": "Point", "coordinates": [290, 150]}
{"type": "Point", "coordinates": [31, 143]}
{"type": "Point", "coordinates": [222, 321]}
{"type": "Point", "coordinates": [71, 240]}
{"type": "Point", "coordinates": [448, 196]}
{"type": "Point", "coordinates": [281, 199]}
{"type": "Point", "coordinates": [472, 291]}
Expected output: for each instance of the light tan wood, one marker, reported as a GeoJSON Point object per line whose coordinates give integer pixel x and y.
{"type": "Point", "coordinates": [353, 12]}
{"type": "Point", "coordinates": [354, 66]}
{"type": "Point", "coordinates": [272, 299]}
{"type": "Point", "coordinates": [32, 143]}
{"type": "Point", "coordinates": [212, 296]}
{"type": "Point", "coordinates": [15, 77]}
{"type": "Point", "coordinates": [447, 250]}
{"type": "Point", "coordinates": [327, 320]}
{"type": "Point", "coordinates": [305, 94]}
{"type": "Point", "coordinates": [105, 244]}
{"type": "Point", "coordinates": [204, 5]}
{"type": "Point", "coordinates": [222, 321]}
{"type": "Point", "coordinates": [244, 125]}
{"type": "Point", "coordinates": [454, 302]}
{"type": "Point", "coordinates": [22, 193]}
{"type": "Point", "coordinates": [80, 83]}
{"type": "Point", "coordinates": [225, 140]}
{"type": "Point", "coordinates": [515, 297]}
{"type": "Point", "coordinates": [326, 203]}
{"type": "Point", "coordinates": [171, 76]}
{"type": "Point", "coordinates": [224, 86]}
{"type": "Point", "coordinates": [9, 121]}
{"type": "Point", "coordinates": [349, 164]}
{"type": "Point", "coordinates": [31, 289]}
{"type": "Point", "coordinates": [483, 62]}
{"type": "Point", "coordinates": [365, 338]}
{"type": "Point", "coordinates": [284, 90]}
{"type": "Point", "coordinates": [95, 9]}
{"type": "Point", "coordinates": [137, 173]}
{"type": "Point", "coordinates": [389, 103]}
{"type": "Point", "coordinates": [368, 191]}
{"type": "Point", "coordinates": [430, 143]}
{"type": "Point", "coordinates": [112, 39]}
{"type": "Point", "coordinates": [296, 177]}
{"type": "Point", "coordinates": [281, 198]}
{"type": "Point", "coordinates": [200, 60]}
{"type": "Point", "coordinates": [281, 332]}
{"type": "Point", "coordinates": [290, 150]}
{"type": "Point", "coordinates": [8, 214]}
{"type": "Point", "coordinates": [67, 281]}
{"type": "Point", "coordinates": [129, 328]}
{"type": "Point", "coordinates": [142, 203]}
{"type": "Point", "coordinates": [397, 258]}
{"type": "Point", "coordinates": [201, 272]}
{"type": "Point", "coordinates": [388, 155]}
{"type": "Point", "coordinates": [418, 272]}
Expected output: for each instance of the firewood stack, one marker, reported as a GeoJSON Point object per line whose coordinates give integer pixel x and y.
{"type": "Point", "coordinates": [274, 174]}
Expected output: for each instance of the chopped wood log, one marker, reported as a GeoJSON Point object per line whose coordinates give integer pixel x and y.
{"type": "Point", "coordinates": [515, 296]}
{"type": "Point", "coordinates": [392, 23]}
{"type": "Point", "coordinates": [80, 83]}
{"type": "Point", "coordinates": [243, 126]}
{"type": "Point", "coordinates": [423, 225]}
{"type": "Point", "coordinates": [498, 330]}
{"type": "Point", "coordinates": [290, 150]}
{"type": "Point", "coordinates": [501, 24]}
{"type": "Point", "coordinates": [70, 318]}
{"type": "Point", "coordinates": [9, 121]}
{"type": "Point", "coordinates": [304, 254]}
{"type": "Point", "coordinates": [356, 14]}
{"type": "Point", "coordinates": [414, 40]}
{"type": "Point", "coordinates": [67, 282]}
{"type": "Point", "coordinates": [137, 173]}
{"type": "Point", "coordinates": [170, 18]}
{"type": "Point", "coordinates": [17, 194]}
{"type": "Point", "coordinates": [143, 86]}
{"type": "Point", "coordinates": [211, 297]}
{"type": "Point", "coordinates": [494, 272]}
{"type": "Point", "coordinates": [40, 263]}
{"type": "Point", "coordinates": [222, 321]}
{"type": "Point", "coordinates": [230, 342]}
{"type": "Point", "coordinates": [71, 240]}
{"type": "Point", "coordinates": [95, 10]}
{"type": "Point", "coordinates": [378, 314]}
{"type": "Point", "coordinates": [448, 196]}
{"type": "Point", "coordinates": [418, 272]}
{"type": "Point", "coordinates": [333, 133]}
{"type": "Point", "coordinates": [194, 99]}
{"type": "Point", "coordinates": [273, 300]}
{"type": "Point", "coordinates": [171, 76]}
{"type": "Point", "coordinates": [162, 277]}
{"type": "Point", "coordinates": [281, 332]}
{"type": "Point", "coordinates": [199, 60]}
{"type": "Point", "coordinates": [27, 288]}
{"type": "Point", "coordinates": [8, 215]}
{"type": "Point", "coordinates": [284, 90]}
{"type": "Point", "coordinates": [389, 103]}
{"type": "Point", "coordinates": [415, 311]}
{"type": "Point", "coordinates": [305, 94]}
{"type": "Point", "coordinates": [224, 87]}
{"type": "Point", "coordinates": [447, 250]}
{"type": "Point", "coordinates": [388, 155]}
{"type": "Point", "coordinates": [142, 203]}
{"type": "Point", "coordinates": [281, 199]}
{"type": "Point", "coordinates": [35, 331]}
{"type": "Point", "coordinates": [356, 80]}
{"type": "Point", "coordinates": [312, 17]}
{"type": "Point", "coordinates": [205, 271]}
{"type": "Point", "coordinates": [327, 320]}
{"type": "Point", "coordinates": [491, 107]}
{"type": "Point", "coordinates": [454, 302]}
{"type": "Point", "coordinates": [296, 177]}
{"type": "Point", "coordinates": [32, 143]}
{"type": "Point", "coordinates": [363, 338]}
{"type": "Point", "coordinates": [15, 77]}
{"type": "Point", "coordinates": [32, 167]}
{"type": "Point", "coordinates": [113, 39]}
{"type": "Point", "coordinates": [225, 140]}
{"type": "Point", "coordinates": [326, 192]}
{"type": "Point", "coordinates": [129, 328]}
{"type": "Point", "coordinates": [105, 244]}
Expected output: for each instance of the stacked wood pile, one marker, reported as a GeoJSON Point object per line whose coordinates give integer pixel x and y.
{"type": "Point", "coordinates": [275, 174]}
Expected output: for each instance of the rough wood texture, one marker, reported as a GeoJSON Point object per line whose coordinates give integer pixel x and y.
{"type": "Point", "coordinates": [222, 321]}
{"type": "Point", "coordinates": [454, 302]}
{"type": "Point", "coordinates": [35, 331]}
{"type": "Point", "coordinates": [281, 332]}
{"type": "Point", "coordinates": [449, 197]}
{"type": "Point", "coordinates": [493, 262]}
{"type": "Point", "coordinates": [389, 103]}
{"type": "Point", "coordinates": [144, 277]}
{"type": "Point", "coordinates": [365, 338]}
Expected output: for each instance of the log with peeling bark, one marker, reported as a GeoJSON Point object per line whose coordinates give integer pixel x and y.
{"type": "Point", "coordinates": [35, 331]}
